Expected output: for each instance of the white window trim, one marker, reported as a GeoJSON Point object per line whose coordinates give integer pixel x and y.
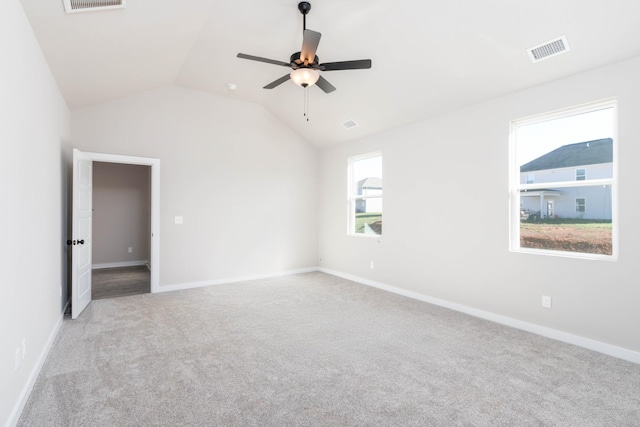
{"type": "Point", "coordinates": [351, 197]}
{"type": "Point", "coordinates": [585, 204]}
{"type": "Point", "coordinates": [515, 187]}
{"type": "Point", "coordinates": [585, 174]}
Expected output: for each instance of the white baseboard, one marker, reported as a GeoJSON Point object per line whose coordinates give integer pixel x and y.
{"type": "Point", "coordinates": [608, 349]}
{"type": "Point", "coordinates": [28, 387]}
{"type": "Point", "coordinates": [119, 264]}
{"type": "Point", "coordinates": [191, 285]}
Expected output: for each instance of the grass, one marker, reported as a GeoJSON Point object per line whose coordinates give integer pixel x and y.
{"type": "Point", "coordinates": [567, 221]}
{"type": "Point", "coordinates": [584, 226]}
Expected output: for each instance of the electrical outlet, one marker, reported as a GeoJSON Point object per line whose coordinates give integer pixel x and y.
{"type": "Point", "coordinates": [178, 220]}
{"type": "Point", "coordinates": [129, 249]}
{"type": "Point", "coordinates": [546, 301]}
{"type": "Point", "coordinates": [371, 265]}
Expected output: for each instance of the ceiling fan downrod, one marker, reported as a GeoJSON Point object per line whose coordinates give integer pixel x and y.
{"type": "Point", "coordinates": [304, 7]}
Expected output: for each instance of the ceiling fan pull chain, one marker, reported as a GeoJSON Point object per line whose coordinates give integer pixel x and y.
{"type": "Point", "coordinates": [306, 102]}
{"type": "Point", "coordinates": [307, 90]}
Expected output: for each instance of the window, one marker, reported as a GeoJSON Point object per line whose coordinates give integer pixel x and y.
{"type": "Point", "coordinates": [572, 154]}
{"type": "Point", "coordinates": [365, 195]}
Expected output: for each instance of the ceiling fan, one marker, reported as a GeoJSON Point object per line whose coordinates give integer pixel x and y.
{"type": "Point", "coordinates": [305, 64]}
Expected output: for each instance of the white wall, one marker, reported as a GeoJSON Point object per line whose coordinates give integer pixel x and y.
{"type": "Point", "coordinates": [446, 218]}
{"type": "Point", "coordinates": [121, 213]}
{"type": "Point", "coordinates": [34, 133]}
{"type": "Point", "coordinates": [244, 184]}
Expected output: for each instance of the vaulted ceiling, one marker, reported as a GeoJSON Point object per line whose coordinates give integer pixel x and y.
{"type": "Point", "coordinates": [428, 57]}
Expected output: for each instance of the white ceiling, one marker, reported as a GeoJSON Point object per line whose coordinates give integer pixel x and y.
{"type": "Point", "coordinates": [428, 57]}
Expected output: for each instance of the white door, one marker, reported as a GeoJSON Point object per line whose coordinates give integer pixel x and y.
{"type": "Point", "coordinates": [81, 233]}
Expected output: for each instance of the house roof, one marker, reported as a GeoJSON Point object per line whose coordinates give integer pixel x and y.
{"type": "Point", "coordinates": [371, 182]}
{"type": "Point", "coordinates": [579, 154]}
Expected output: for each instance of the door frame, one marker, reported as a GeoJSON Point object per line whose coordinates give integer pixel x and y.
{"type": "Point", "coordinates": [154, 255]}
{"type": "Point", "coordinates": [550, 209]}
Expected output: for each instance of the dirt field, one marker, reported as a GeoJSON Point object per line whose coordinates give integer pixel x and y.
{"type": "Point", "coordinates": [593, 239]}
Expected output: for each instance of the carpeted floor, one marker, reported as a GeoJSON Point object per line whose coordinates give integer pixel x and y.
{"type": "Point", "coordinates": [317, 350]}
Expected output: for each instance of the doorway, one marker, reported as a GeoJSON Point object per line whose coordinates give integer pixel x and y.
{"type": "Point", "coordinates": [81, 223]}
{"type": "Point", "coordinates": [549, 209]}
{"type": "Point", "coordinates": [121, 223]}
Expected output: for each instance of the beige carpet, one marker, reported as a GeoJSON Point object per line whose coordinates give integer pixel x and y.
{"type": "Point", "coordinates": [317, 350]}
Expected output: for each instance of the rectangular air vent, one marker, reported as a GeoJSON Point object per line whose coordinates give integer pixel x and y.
{"type": "Point", "coordinates": [349, 124]}
{"type": "Point", "coordinates": [73, 6]}
{"type": "Point", "coordinates": [548, 49]}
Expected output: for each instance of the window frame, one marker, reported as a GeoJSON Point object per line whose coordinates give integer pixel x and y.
{"type": "Point", "coordinates": [584, 205]}
{"type": "Point", "coordinates": [582, 176]}
{"type": "Point", "coordinates": [352, 197]}
{"type": "Point", "coordinates": [516, 187]}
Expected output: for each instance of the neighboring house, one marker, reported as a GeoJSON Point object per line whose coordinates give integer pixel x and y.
{"type": "Point", "coordinates": [574, 162]}
{"type": "Point", "coordinates": [371, 186]}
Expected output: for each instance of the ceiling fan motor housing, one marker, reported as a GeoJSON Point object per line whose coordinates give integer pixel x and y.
{"type": "Point", "coordinates": [296, 62]}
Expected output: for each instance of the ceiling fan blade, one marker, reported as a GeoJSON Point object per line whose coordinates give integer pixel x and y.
{"type": "Point", "coordinates": [323, 84]}
{"type": "Point", "coordinates": [346, 65]}
{"type": "Point", "coordinates": [259, 59]}
{"type": "Point", "coordinates": [310, 42]}
{"type": "Point", "coordinates": [277, 82]}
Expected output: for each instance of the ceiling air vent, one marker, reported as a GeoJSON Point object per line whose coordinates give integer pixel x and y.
{"type": "Point", "coordinates": [349, 124]}
{"type": "Point", "coordinates": [548, 49]}
{"type": "Point", "coordinates": [73, 6]}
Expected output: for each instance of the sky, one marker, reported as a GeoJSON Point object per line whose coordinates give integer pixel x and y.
{"type": "Point", "coordinates": [532, 141]}
{"type": "Point", "coordinates": [371, 167]}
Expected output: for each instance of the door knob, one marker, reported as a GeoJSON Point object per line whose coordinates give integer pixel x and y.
{"type": "Point", "coordinates": [69, 243]}
{"type": "Point", "coordinates": [81, 242]}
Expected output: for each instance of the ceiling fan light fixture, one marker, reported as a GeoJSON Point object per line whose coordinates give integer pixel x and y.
{"type": "Point", "coordinates": [305, 77]}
